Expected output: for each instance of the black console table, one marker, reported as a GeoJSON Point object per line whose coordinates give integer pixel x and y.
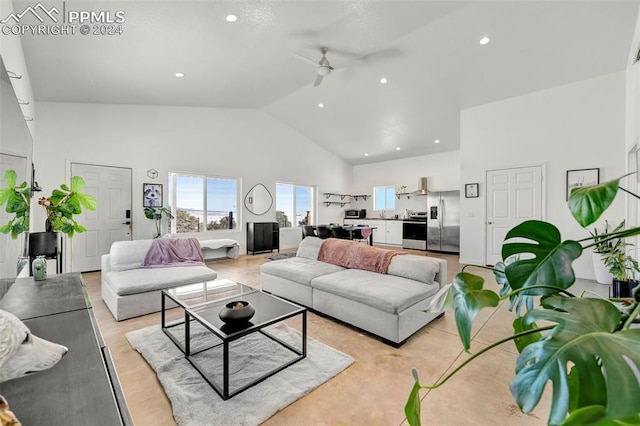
{"type": "Point", "coordinates": [83, 388]}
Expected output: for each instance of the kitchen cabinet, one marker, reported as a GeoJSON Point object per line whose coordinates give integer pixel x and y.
{"type": "Point", "coordinates": [262, 237]}
{"type": "Point", "coordinates": [393, 234]}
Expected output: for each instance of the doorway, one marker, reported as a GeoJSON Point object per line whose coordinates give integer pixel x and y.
{"type": "Point", "coordinates": [513, 196]}
{"type": "Point", "coordinates": [110, 222]}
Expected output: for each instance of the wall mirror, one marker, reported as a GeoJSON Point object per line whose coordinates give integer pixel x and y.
{"type": "Point", "coordinates": [16, 153]}
{"type": "Point", "coordinates": [258, 200]}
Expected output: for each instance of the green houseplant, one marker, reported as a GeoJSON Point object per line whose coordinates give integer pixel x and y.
{"type": "Point", "coordinates": [18, 200]}
{"type": "Point", "coordinates": [586, 348]}
{"type": "Point", "coordinates": [156, 214]}
{"type": "Point", "coordinates": [63, 204]}
{"type": "Point", "coordinates": [624, 269]}
{"type": "Point", "coordinates": [603, 248]}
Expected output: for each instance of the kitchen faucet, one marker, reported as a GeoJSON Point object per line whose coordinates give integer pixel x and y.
{"type": "Point", "coordinates": [382, 214]}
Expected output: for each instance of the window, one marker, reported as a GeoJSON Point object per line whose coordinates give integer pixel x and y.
{"type": "Point", "coordinates": [188, 196]}
{"type": "Point", "coordinates": [294, 205]}
{"type": "Point", "coordinates": [384, 198]}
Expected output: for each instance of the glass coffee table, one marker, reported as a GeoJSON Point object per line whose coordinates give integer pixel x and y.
{"type": "Point", "coordinates": [212, 346]}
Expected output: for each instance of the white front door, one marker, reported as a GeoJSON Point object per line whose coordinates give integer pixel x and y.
{"type": "Point", "coordinates": [110, 222]}
{"type": "Point", "coordinates": [11, 249]}
{"type": "Point", "coordinates": [513, 196]}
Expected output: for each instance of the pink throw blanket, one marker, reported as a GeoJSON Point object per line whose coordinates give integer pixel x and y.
{"type": "Point", "coordinates": [350, 254]}
{"type": "Point", "coordinates": [166, 252]}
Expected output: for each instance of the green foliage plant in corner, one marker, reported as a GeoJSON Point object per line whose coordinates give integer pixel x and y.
{"type": "Point", "coordinates": [588, 348]}
{"type": "Point", "coordinates": [156, 214]}
{"type": "Point", "coordinates": [18, 200]}
{"type": "Point", "coordinates": [63, 204]}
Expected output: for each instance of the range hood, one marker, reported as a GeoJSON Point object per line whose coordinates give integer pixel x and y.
{"type": "Point", "coordinates": [422, 187]}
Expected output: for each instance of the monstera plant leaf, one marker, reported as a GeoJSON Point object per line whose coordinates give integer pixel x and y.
{"type": "Point", "coordinates": [587, 203]}
{"type": "Point", "coordinates": [469, 298]}
{"type": "Point", "coordinates": [602, 359]}
{"type": "Point", "coordinates": [517, 300]}
{"type": "Point", "coordinates": [551, 261]}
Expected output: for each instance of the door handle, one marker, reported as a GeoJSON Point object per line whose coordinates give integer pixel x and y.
{"type": "Point", "coordinates": [489, 223]}
{"type": "Point", "coordinates": [127, 222]}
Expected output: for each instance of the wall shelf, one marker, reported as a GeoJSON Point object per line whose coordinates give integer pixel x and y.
{"type": "Point", "coordinates": [344, 198]}
{"type": "Point", "coordinates": [342, 203]}
{"type": "Point", "coordinates": [403, 194]}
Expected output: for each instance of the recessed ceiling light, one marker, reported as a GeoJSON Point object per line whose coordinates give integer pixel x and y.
{"type": "Point", "coordinates": [231, 18]}
{"type": "Point", "coordinates": [383, 80]}
{"type": "Point", "coordinates": [179, 74]}
{"type": "Point", "coordinates": [321, 105]}
{"type": "Point", "coordinates": [366, 154]}
{"type": "Point", "coordinates": [484, 40]}
{"type": "Point", "coordinates": [436, 141]}
{"type": "Point", "coordinates": [398, 149]}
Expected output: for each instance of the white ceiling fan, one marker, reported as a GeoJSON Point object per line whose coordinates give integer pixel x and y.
{"type": "Point", "coordinates": [323, 67]}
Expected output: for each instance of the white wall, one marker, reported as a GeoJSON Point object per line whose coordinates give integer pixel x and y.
{"type": "Point", "coordinates": [580, 125]}
{"type": "Point", "coordinates": [13, 58]}
{"type": "Point", "coordinates": [441, 170]}
{"type": "Point", "coordinates": [227, 142]}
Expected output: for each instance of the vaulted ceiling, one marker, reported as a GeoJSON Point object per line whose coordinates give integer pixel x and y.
{"type": "Point", "coordinates": [428, 51]}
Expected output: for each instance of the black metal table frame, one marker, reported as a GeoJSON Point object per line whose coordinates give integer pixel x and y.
{"type": "Point", "coordinates": [186, 348]}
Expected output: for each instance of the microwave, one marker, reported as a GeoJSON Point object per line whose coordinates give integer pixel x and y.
{"type": "Point", "coordinates": [355, 214]}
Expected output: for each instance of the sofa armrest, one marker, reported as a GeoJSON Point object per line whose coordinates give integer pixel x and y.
{"type": "Point", "coordinates": [105, 266]}
{"type": "Point", "coordinates": [441, 275]}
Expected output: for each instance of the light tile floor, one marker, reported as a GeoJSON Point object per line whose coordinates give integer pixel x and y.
{"type": "Point", "coordinates": [374, 389]}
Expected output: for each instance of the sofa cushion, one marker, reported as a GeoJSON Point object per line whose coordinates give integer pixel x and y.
{"type": "Point", "coordinates": [142, 280]}
{"type": "Point", "coordinates": [126, 255]}
{"type": "Point", "coordinates": [299, 269]}
{"type": "Point", "coordinates": [389, 293]}
{"type": "Point", "coordinates": [418, 268]}
{"type": "Point", "coordinates": [309, 248]}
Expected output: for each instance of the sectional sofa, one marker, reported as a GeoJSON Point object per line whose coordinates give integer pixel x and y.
{"type": "Point", "coordinates": [389, 305]}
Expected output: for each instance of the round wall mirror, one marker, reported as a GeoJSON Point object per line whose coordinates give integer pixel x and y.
{"type": "Point", "coordinates": [258, 200]}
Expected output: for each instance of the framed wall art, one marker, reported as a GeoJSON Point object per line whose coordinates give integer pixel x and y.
{"type": "Point", "coordinates": [151, 195]}
{"type": "Point", "coordinates": [582, 177]}
{"type": "Point", "coordinates": [471, 190]}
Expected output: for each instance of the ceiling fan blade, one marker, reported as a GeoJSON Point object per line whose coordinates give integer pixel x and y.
{"type": "Point", "coordinates": [318, 80]}
{"type": "Point", "coordinates": [307, 60]}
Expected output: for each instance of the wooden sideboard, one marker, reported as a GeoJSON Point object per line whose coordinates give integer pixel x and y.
{"type": "Point", "coordinates": [83, 388]}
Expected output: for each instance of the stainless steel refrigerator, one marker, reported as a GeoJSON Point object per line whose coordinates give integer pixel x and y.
{"type": "Point", "coordinates": [443, 221]}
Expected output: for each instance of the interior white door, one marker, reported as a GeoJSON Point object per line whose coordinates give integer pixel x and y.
{"type": "Point", "coordinates": [12, 249]}
{"type": "Point", "coordinates": [110, 222]}
{"type": "Point", "coordinates": [513, 196]}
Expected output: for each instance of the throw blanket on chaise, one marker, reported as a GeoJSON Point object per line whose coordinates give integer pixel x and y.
{"type": "Point", "coordinates": [165, 252]}
{"type": "Point", "coordinates": [352, 255]}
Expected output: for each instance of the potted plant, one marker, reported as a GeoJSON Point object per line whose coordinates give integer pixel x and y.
{"type": "Point", "coordinates": [63, 204]}
{"type": "Point", "coordinates": [18, 199]}
{"type": "Point", "coordinates": [603, 247]}
{"type": "Point", "coordinates": [156, 214]}
{"type": "Point", "coordinates": [624, 269]}
{"type": "Point", "coordinates": [585, 346]}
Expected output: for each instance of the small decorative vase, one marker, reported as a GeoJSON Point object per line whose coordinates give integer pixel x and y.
{"type": "Point", "coordinates": [39, 268]}
{"type": "Point", "coordinates": [22, 268]}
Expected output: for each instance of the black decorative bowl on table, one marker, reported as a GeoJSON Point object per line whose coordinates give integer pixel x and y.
{"type": "Point", "coordinates": [236, 312]}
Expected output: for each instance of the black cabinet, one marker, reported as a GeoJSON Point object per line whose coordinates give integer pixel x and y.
{"type": "Point", "coordinates": [262, 237]}
{"type": "Point", "coordinates": [83, 388]}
